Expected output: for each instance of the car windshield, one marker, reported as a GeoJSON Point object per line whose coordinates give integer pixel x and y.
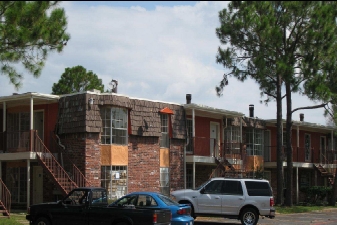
{"type": "Point", "coordinates": [167, 200]}
{"type": "Point", "coordinates": [201, 186]}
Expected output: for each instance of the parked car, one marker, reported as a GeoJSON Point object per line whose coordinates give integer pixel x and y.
{"type": "Point", "coordinates": [180, 212]}
{"type": "Point", "coordinates": [88, 205]}
{"type": "Point", "coordinates": [234, 198]}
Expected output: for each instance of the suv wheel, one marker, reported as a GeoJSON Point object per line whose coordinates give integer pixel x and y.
{"type": "Point", "coordinates": [249, 216]}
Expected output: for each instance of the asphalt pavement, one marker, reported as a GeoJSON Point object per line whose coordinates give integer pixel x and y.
{"type": "Point", "coordinates": [322, 217]}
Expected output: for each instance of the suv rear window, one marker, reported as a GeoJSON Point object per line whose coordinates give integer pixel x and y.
{"type": "Point", "coordinates": [256, 188]}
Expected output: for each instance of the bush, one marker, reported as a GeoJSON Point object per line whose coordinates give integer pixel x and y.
{"type": "Point", "coordinates": [316, 194]}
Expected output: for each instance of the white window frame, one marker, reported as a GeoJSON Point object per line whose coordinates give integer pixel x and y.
{"type": "Point", "coordinates": [115, 127]}
{"type": "Point", "coordinates": [164, 127]}
{"type": "Point", "coordinates": [307, 149]}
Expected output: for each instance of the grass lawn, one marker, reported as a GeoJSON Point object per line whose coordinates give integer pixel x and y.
{"type": "Point", "coordinates": [301, 209]}
{"type": "Point", "coordinates": [15, 219]}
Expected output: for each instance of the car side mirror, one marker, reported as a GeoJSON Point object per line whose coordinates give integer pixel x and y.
{"type": "Point", "coordinates": [202, 191]}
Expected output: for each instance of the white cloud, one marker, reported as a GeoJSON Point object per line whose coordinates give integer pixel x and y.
{"type": "Point", "coordinates": [161, 54]}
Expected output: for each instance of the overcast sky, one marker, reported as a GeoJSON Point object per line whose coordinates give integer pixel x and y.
{"type": "Point", "coordinates": [157, 51]}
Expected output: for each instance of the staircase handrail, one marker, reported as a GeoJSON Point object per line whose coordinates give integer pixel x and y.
{"type": "Point", "coordinates": [50, 161]}
{"type": "Point", "coordinates": [77, 175]}
{"type": "Point", "coordinates": [5, 197]}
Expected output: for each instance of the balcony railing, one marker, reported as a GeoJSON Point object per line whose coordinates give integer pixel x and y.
{"type": "Point", "coordinates": [16, 141]}
{"type": "Point", "coordinates": [203, 146]}
{"type": "Point", "coordinates": [301, 154]}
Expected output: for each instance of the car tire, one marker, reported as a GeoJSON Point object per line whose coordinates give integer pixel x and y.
{"type": "Point", "coordinates": [42, 221]}
{"type": "Point", "coordinates": [249, 216]}
{"type": "Point", "coordinates": [190, 204]}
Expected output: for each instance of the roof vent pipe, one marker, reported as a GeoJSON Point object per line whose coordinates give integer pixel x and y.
{"type": "Point", "coordinates": [188, 98]}
{"type": "Point", "coordinates": [251, 110]}
{"type": "Point", "coordinates": [301, 117]}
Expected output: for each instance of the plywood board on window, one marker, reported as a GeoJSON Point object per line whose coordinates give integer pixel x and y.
{"type": "Point", "coordinates": [164, 157]}
{"type": "Point", "coordinates": [114, 155]}
{"type": "Point", "coordinates": [254, 162]}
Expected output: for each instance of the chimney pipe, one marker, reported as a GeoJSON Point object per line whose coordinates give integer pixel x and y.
{"type": "Point", "coordinates": [301, 117]}
{"type": "Point", "coordinates": [188, 98]}
{"type": "Point", "coordinates": [251, 110]}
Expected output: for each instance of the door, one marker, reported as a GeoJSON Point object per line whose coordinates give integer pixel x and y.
{"type": "Point", "coordinates": [214, 138]}
{"type": "Point", "coordinates": [37, 184]}
{"type": "Point", "coordinates": [232, 197]}
{"type": "Point", "coordinates": [38, 123]}
{"type": "Point", "coordinates": [209, 200]}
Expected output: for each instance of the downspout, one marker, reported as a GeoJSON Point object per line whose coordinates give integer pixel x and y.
{"type": "Point", "coordinates": [193, 131]}
{"type": "Point", "coordinates": [31, 148]}
{"type": "Point", "coordinates": [297, 178]}
{"type": "Point", "coordinates": [59, 143]}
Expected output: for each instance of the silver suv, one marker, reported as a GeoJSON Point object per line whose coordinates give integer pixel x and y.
{"type": "Point", "coordinates": [234, 198]}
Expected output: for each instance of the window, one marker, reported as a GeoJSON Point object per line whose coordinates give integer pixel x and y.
{"type": "Point", "coordinates": [267, 147]}
{"type": "Point", "coordinates": [18, 126]}
{"type": "Point", "coordinates": [189, 124]}
{"type": "Point", "coordinates": [146, 200]}
{"type": "Point", "coordinates": [164, 139]}
{"type": "Point", "coordinates": [127, 200]}
{"type": "Point", "coordinates": [16, 181]}
{"type": "Point", "coordinates": [307, 147]}
{"type": "Point", "coordinates": [189, 176]}
{"type": "Point", "coordinates": [232, 140]}
{"type": "Point", "coordinates": [114, 126]}
{"type": "Point", "coordinates": [165, 181]}
{"type": "Point", "coordinates": [99, 197]}
{"type": "Point", "coordinates": [232, 187]}
{"type": "Point", "coordinates": [255, 188]}
{"type": "Point", "coordinates": [114, 180]}
{"type": "Point", "coordinates": [214, 187]}
{"type": "Point", "coordinates": [304, 180]}
{"type": "Point", "coordinates": [254, 141]}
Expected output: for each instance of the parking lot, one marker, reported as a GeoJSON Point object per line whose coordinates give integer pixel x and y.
{"type": "Point", "coordinates": [324, 217]}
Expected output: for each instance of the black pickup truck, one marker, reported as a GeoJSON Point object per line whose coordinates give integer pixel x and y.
{"type": "Point", "coordinates": [89, 206]}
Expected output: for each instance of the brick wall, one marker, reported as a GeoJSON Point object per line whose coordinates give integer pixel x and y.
{"type": "Point", "coordinates": [176, 164]}
{"type": "Point", "coordinates": [83, 150]}
{"type": "Point", "coordinates": [144, 165]}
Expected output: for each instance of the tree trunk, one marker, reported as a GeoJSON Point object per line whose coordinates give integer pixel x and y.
{"type": "Point", "coordinates": [332, 200]}
{"type": "Point", "coordinates": [289, 149]}
{"type": "Point", "coordinates": [279, 199]}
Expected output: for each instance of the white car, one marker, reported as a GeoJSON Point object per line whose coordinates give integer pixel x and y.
{"type": "Point", "coordinates": [234, 198]}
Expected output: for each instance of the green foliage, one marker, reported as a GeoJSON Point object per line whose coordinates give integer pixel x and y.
{"type": "Point", "coordinates": [77, 79]}
{"type": "Point", "coordinates": [276, 43]}
{"type": "Point", "coordinates": [29, 30]}
{"type": "Point", "coordinates": [315, 194]}
{"type": "Point", "coordinates": [293, 40]}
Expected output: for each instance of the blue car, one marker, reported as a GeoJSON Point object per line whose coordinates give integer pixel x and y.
{"type": "Point", "coordinates": [181, 213]}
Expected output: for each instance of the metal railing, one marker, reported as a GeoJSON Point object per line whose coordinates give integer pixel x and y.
{"type": "Point", "coordinates": [5, 198]}
{"type": "Point", "coordinates": [52, 165]}
{"type": "Point", "coordinates": [65, 161]}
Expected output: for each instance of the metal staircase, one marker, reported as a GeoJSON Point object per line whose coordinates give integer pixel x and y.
{"type": "Point", "coordinates": [228, 169]}
{"type": "Point", "coordinates": [56, 172]}
{"type": "Point", "coordinates": [5, 200]}
{"type": "Point", "coordinates": [325, 173]}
